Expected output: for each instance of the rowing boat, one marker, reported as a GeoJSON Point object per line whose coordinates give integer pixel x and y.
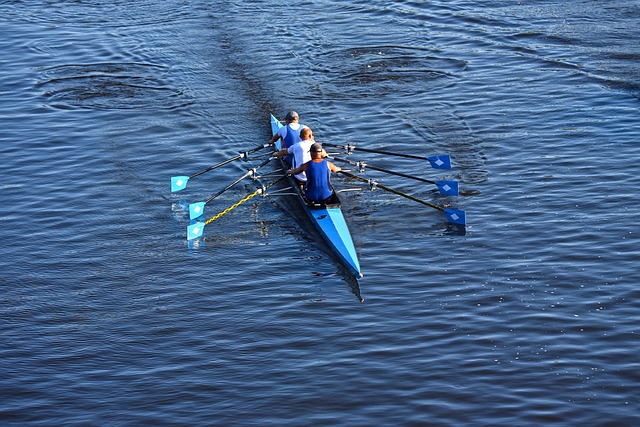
{"type": "Point", "coordinates": [327, 219]}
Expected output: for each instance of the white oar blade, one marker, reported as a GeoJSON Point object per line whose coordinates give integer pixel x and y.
{"type": "Point", "coordinates": [196, 210]}
{"type": "Point", "coordinates": [442, 161]}
{"type": "Point", "coordinates": [456, 216]}
{"type": "Point", "coordinates": [195, 230]}
{"type": "Point", "coordinates": [179, 182]}
{"type": "Point", "coordinates": [450, 188]}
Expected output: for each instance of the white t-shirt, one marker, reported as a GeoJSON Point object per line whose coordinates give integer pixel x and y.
{"type": "Point", "coordinates": [301, 155]}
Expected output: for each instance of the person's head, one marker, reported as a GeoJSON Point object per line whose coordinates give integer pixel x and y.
{"type": "Point", "coordinates": [291, 116]}
{"type": "Point", "coordinates": [306, 134]}
{"type": "Point", "coordinates": [316, 150]}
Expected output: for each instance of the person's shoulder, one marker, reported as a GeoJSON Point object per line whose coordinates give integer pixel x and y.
{"type": "Point", "coordinates": [305, 145]}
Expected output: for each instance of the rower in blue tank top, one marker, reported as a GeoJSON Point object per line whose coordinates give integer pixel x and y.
{"type": "Point", "coordinates": [318, 186]}
{"type": "Point", "coordinates": [290, 133]}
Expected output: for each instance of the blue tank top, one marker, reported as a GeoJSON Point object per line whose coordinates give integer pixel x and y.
{"type": "Point", "coordinates": [292, 137]}
{"type": "Point", "coordinates": [318, 186]}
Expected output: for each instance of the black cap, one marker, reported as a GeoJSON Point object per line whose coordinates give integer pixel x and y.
{"type": "Point", "coordinates": [316, 147]}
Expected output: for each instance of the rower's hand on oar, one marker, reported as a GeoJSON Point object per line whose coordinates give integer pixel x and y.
{"type": "Point", "coordinates": [333, 168]}
{"type": "Point", "coordinates": [280, 153]}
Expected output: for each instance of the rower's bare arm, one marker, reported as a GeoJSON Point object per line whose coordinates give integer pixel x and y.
{"type": "Point", "coordinates": [281, 153]}
{"type": "Point", "coordinates": [274, 139]}
{"type": "Point", "coordinates": [299, 169]}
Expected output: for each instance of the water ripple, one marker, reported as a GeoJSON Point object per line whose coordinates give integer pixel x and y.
{"type": "Point", "coordinates": [109, 86]}
{"type": "Point", "coordinates": [383, 69]}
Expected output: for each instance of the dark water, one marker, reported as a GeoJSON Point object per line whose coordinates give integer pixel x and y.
{"type": "Point", "coordinates": [109, 317]}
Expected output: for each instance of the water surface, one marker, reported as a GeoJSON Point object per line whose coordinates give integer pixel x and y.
{"type": "Point", "coordinates": [110, 317]}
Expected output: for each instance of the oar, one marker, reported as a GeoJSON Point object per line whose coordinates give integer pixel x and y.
{"type": "Point", "coordinates": [453, 215]}
{"type": "Point", "coordinates": [180, 182]}
{"type": "Point", "coordinates": [449, 188]}
{"type": "Point", "coordinates": [197, 209]}
{"type": "Point", "coordinates": [441, 161]}
{"type": "Point", "coordinates": [195, 230]}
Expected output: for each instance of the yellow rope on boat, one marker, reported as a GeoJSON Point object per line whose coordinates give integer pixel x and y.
{"type": "Point", "coordinates": [230, 208]}
{"type": "Point", "coordinates": [249, 197]}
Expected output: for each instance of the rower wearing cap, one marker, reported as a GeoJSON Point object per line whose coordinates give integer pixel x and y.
{"type": "Point", "coordinates": [289, 133]}
{"type": "Point", "coordinates": [318, 186]}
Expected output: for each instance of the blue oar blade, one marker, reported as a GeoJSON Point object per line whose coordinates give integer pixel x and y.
{"type": "Point", "coordinates": [179, 182]}
{"type": "Point", "coordinates": [196, 210]}
{"type": "Point", "coordinates": [442, 161]}
{"type": "Point", "coordinates": [195, 230]}
{"type": "Point", "coordinates": [450, 188]}
{"type": "Point", "coordinates": [456, 216]}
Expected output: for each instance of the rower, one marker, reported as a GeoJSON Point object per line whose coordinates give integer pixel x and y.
{"type": "Point", "coordinates": [300, 153]}
{"type": "Point", "coordinates": [289, 133]}
{"type": "Point", "coordinates": [318, 187]}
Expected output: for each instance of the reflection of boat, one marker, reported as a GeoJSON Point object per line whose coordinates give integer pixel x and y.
{"type": "Point", "coordinates": [328, 220]}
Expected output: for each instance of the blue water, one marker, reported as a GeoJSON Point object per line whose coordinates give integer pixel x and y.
{"type": "Point", "coordinates": [109, 316]}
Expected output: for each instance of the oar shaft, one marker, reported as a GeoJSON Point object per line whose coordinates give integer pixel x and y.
{"type": "Point", "coordinates": [234, 158]}
{"type": "Point", "coordinates": [229, 186]}
{"type": "Point", "coordinates": [391, 190]}
{"type": "Point", "coordinates": [417, 178]}
{"type": "Point", "coordinates": [248, 173]}
{"type": "Point", "coordinates": [369, 150]}
{"type": "Point", "coordinates": [239, 156]}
